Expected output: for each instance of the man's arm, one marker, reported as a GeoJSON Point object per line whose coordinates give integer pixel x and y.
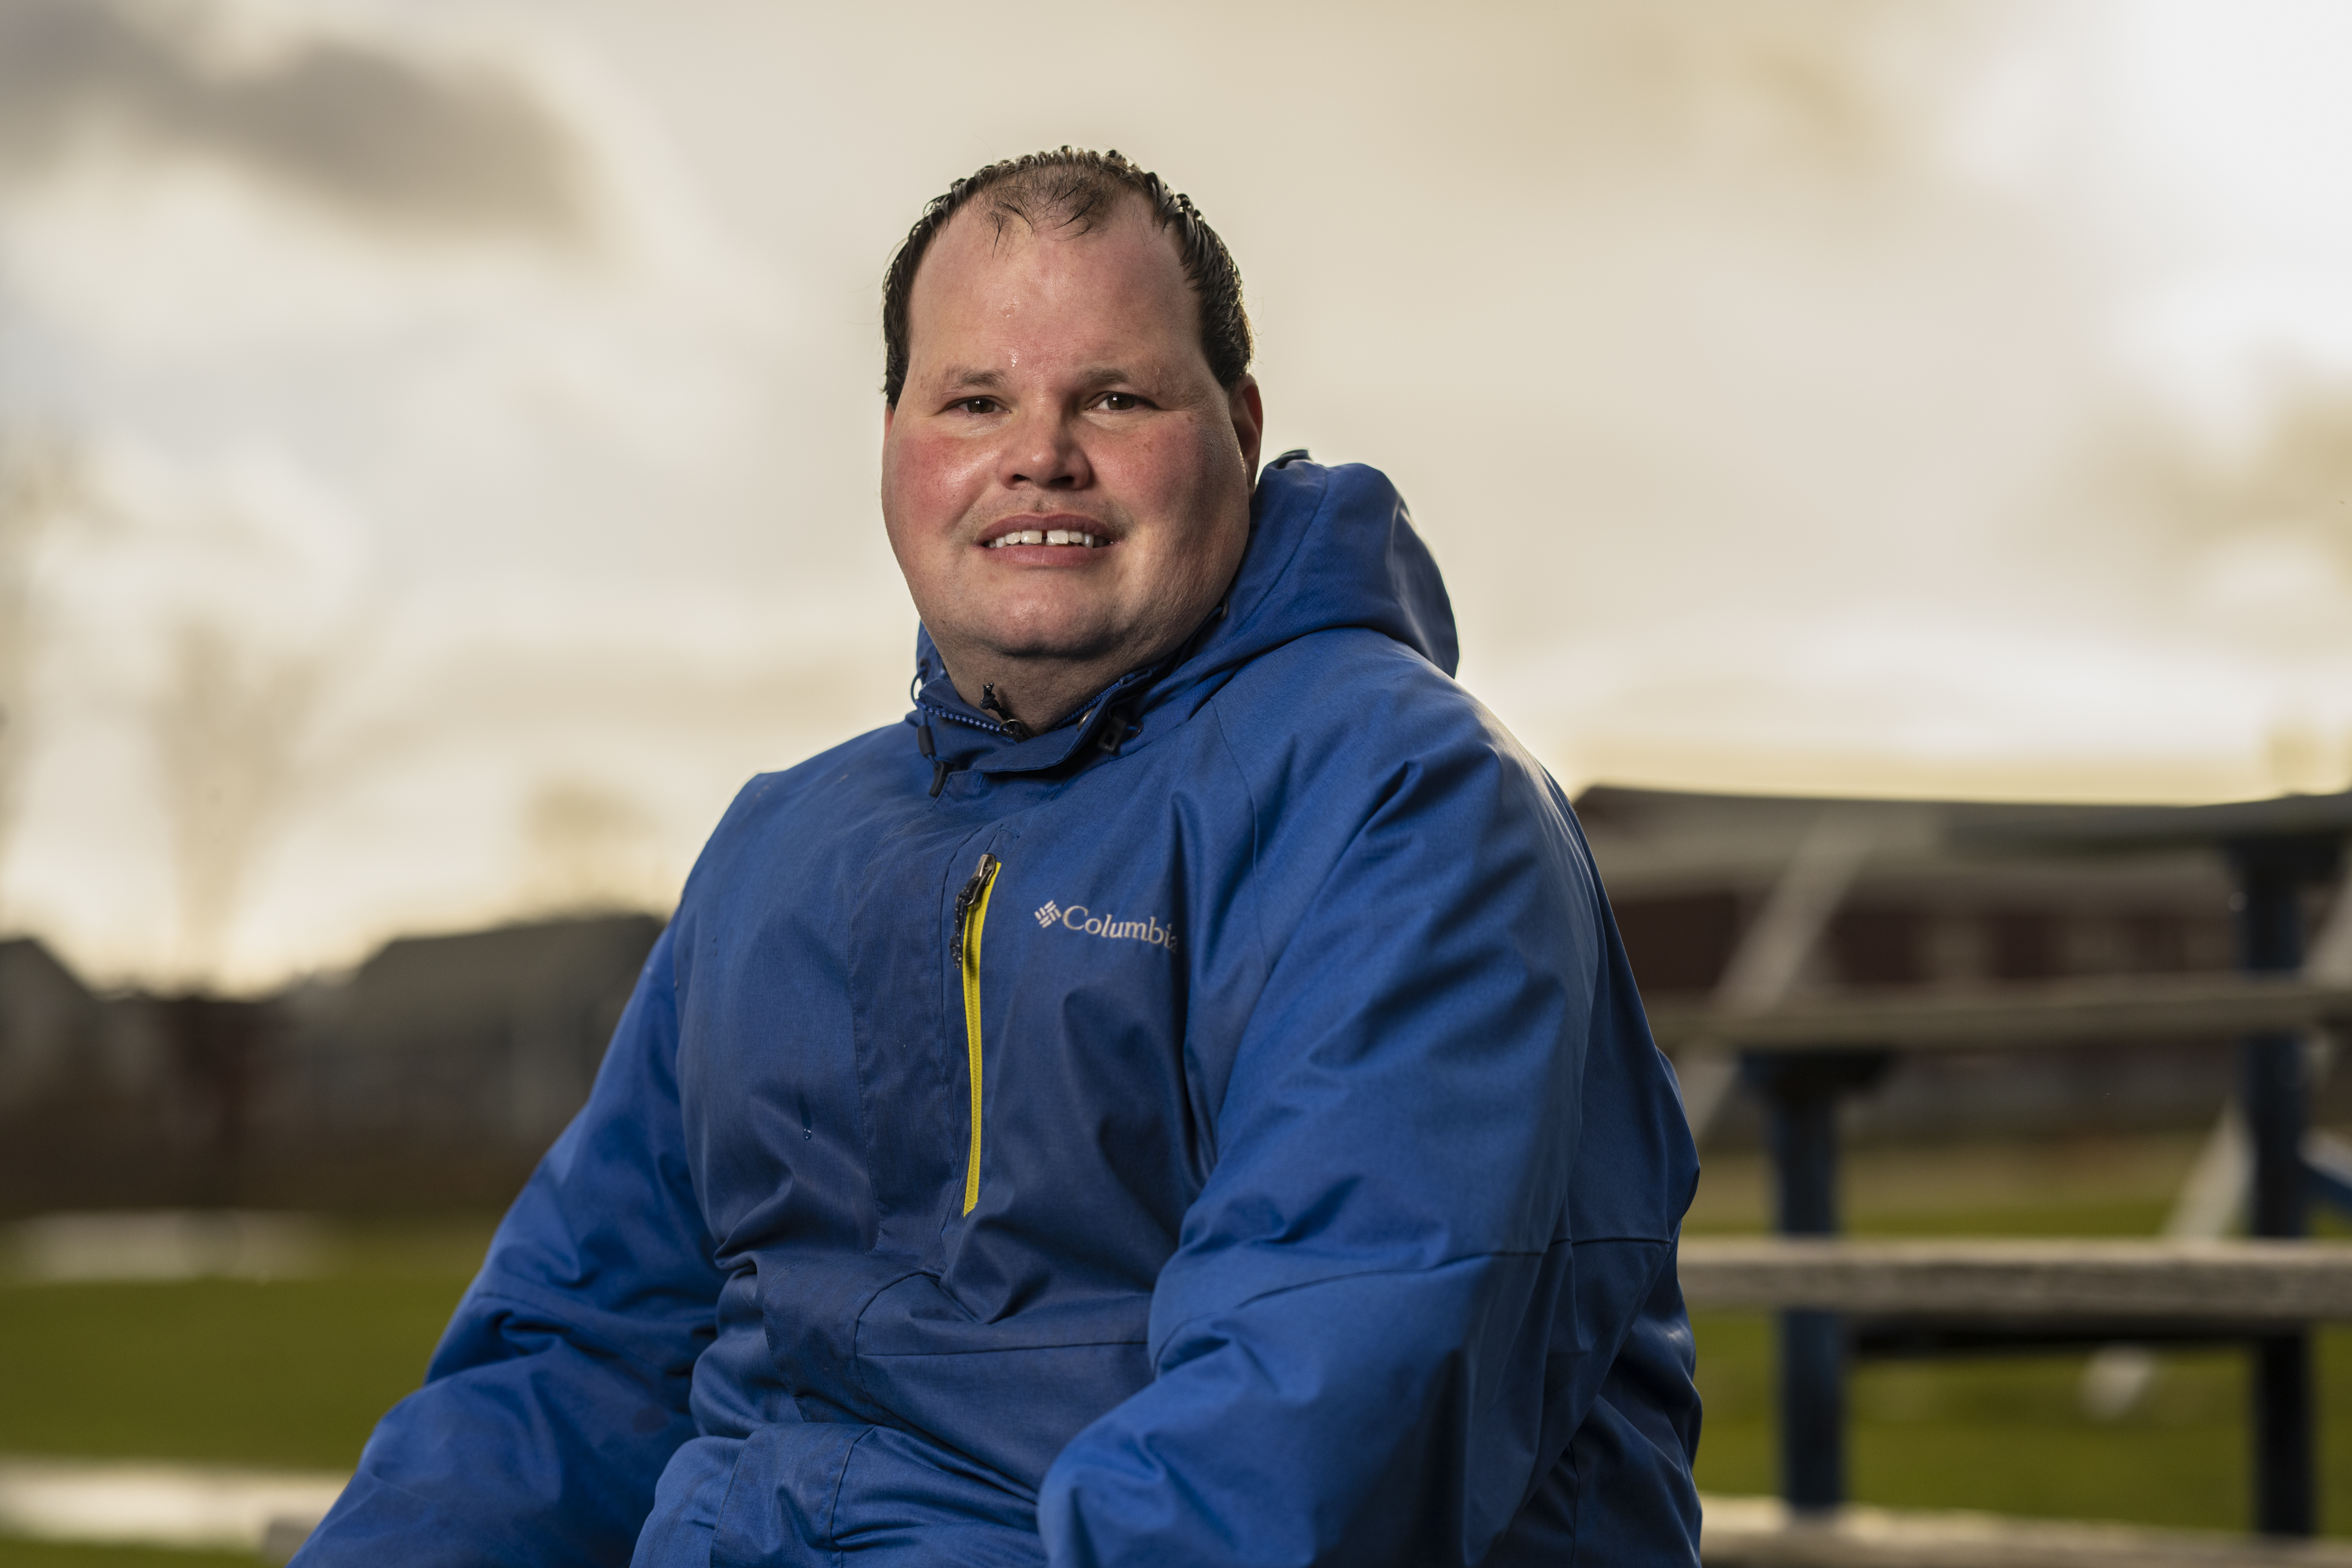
{"type": "Point", "coordinates": [1388, 1312]}
{"type": "Point", "coordinates": [558, 1391]}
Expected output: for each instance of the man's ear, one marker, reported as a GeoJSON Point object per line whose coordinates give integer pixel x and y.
{"type": "Point", "coordinates": [1249, 421]}
{"type": "Point", "coordinates": [890, 411]}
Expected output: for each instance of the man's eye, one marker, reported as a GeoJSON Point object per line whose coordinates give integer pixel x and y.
{"type": "Point", "coordinates": [974, 405]}
{"type": "Point", "coordinates": [1120, 402]}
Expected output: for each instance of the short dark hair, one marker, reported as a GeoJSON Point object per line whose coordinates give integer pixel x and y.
{"type": "Point", "coordinates": [1074, 189]}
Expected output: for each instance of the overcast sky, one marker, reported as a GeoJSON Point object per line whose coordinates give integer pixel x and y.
{"type": "Point", "coordinates": [441, 437]}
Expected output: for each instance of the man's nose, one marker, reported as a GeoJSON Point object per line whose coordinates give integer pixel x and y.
{"type": "Point", "coordinates": [1043, 450]}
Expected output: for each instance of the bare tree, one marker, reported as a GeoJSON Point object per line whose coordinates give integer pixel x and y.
{"type": "Point", "coordinates": [229, 723]}
{"type": "Point", "coordinates": [588, 849]}
{"type": "Point", "coordinates": [41, 479]}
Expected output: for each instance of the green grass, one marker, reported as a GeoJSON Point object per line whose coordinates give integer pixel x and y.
{"type": "Point", "coordinates": [290, 1374]}
{"type": "Point", "coordinates": [47, 1554]}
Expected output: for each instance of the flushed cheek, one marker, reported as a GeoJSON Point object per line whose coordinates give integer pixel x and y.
{"type": "Point", "coordinates": [928, 492]}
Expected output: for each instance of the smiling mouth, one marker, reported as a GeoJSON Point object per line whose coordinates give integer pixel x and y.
{"type": "Point", "coordinates": [1066, 536]}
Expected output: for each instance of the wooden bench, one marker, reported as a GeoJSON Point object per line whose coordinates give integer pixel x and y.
{"type": "Point", "coordinates": [2114, 1283]}
{"type": "Point", "coordinates": [1805, 1057]}
{"type": "Point", "coordinates": [2011, 1017]}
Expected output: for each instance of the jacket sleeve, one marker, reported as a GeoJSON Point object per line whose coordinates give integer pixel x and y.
{"type": "Point", "coordinates": [1388, 1314]}
{"type": "Point", "coordinates": [559, 1390]}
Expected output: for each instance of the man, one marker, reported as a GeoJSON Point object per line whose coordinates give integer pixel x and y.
{"type": "Point", "coordinates": [1178, 1098]}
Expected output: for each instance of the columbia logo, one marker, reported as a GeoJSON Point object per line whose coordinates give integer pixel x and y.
{"type": "Point", "coordinates": [1084, 921]}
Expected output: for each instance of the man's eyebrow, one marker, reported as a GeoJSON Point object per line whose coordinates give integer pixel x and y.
{"type": "Point", "coordinates": [1093, 376]}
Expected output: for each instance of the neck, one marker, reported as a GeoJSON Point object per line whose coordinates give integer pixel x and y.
{"type": "Point", "coordinates": [1024, 697]}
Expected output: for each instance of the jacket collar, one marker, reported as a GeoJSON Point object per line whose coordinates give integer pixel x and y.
{"type": "Point", "coordinates": [966, 738]}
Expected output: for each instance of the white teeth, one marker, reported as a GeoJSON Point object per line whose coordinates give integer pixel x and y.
{"type": "Point", "coordinates": [1048, 536]}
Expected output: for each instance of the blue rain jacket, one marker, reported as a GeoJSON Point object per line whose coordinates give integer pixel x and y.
{"type": "Point", "coordinates": [1220, 1129]}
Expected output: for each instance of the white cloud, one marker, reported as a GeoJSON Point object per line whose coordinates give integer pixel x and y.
{"type": "Point", "coordinates": [1745, 365]}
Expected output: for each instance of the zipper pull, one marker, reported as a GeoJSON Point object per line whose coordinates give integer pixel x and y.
{"type": "Point", "coordinates": [994, 704]}
{"type": "Point", "coordinates": [973, 887]}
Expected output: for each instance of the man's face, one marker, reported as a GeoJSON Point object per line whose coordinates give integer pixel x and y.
{"type": "Point", "coordinates": [1055, 389]}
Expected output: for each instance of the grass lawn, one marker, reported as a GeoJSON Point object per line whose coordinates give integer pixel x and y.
{"type": "Point", "coordinates": [295, 1374]}
{"type": "Point", "coordinates": [290, 1374]}
{"type": "Point", "coordinates": [43, 1554]}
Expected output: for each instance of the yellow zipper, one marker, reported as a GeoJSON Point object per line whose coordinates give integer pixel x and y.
{"type": "Point", "coordinates": [972, 915]}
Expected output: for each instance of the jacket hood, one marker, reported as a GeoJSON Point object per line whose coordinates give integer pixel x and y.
{"type": "Point", "coordinates": [1328, 547]}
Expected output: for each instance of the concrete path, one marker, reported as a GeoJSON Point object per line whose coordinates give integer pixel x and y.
{"type": "Point", "coordinates": [138, 1502]}
{"type": "Point", "coordinates": [1760, 1532]}
{"type": "Point", "coordinates": [268, 1512]}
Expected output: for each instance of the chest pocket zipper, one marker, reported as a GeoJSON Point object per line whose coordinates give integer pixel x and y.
{"type": "Point", "coordinates": [970, 919]}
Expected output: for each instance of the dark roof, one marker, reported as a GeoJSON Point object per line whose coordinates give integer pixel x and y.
{"type": "Point", "coordinates": [1661, 841]}
{"type": "Point", "coordinates": [27, 964]}
{"type": "Point", "coordinates": [2093, 828]}
{"type": "Point", "coordinates": [416, 989]}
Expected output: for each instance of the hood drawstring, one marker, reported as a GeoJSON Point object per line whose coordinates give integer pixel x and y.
{"type": "Point", "coordinates": [930, 755]}
{"type": "Point", "coordinates": [923, 739]}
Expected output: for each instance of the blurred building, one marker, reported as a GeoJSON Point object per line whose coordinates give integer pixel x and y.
{"type": "Point", "coordinates": [489, 1037]}
{"type": "Point", "coordinates": [1927, 894]}
{"type": "Point", "coordinates": [48, 1030]}
{"type": "Point", "coordinates": [1687, 874]}
{"type": "Point", "coordinates": [434, 1074]}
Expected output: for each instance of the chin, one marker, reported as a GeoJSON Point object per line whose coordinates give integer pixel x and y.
{"type": "Point", "coordinates": [1066, 648]}
{"type": "Point", "coordinates": [1049, 632]}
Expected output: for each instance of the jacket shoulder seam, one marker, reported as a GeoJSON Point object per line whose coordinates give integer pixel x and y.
{"type": "Point", "coordinates": [1257, 829]}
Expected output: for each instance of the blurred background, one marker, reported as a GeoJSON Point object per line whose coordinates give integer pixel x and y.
{"type": "Point", "coordinates": [437, 457]}
{"type": "Point", "coordinates": [442, 437]}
